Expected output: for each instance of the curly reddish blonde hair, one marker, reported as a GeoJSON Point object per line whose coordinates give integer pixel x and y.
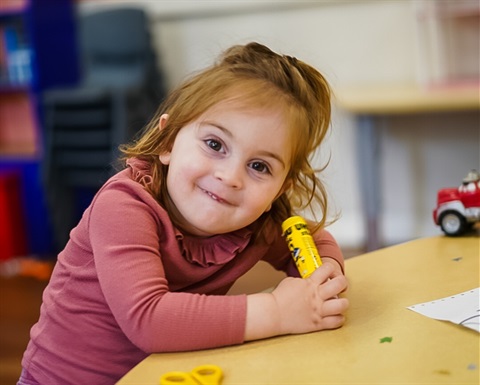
{"type": "Point", "coordinates": [257, 77]}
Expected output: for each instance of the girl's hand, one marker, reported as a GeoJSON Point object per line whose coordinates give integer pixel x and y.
{"type": "Point", "coordinates": [311, 304]}
{"type": "Point", "coordinates": [299, 305]}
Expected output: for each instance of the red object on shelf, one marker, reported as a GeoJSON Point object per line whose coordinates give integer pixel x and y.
{"type": "Point", "coordinates": [11, 5]}
{"type": "Point", "coordinates": [18, 132]}
{"type": "Point", "coordinates": [13, 241]}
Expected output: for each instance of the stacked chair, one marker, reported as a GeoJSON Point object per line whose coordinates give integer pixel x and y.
{"type": "Point", "coordinates": [120, 89]}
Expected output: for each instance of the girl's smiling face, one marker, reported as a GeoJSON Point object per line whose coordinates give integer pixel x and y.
{"type": "Point", "coordinates": [227, 167]}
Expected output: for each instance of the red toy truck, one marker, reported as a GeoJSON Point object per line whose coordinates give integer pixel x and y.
{"type": "Point", "coordinates": [458, 209]}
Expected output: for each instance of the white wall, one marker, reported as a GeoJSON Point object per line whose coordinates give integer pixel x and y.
{"type": "Point", "coordinates": [351, 43]}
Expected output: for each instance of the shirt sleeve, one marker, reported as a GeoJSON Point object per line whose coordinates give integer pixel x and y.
{"type": "Point", "coordinates": [328, 247]}
{"type": "Point", "coordinates": [124, 235]}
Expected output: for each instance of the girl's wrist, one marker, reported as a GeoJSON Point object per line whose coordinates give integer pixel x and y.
{"type": "Point", "coordinates": [263, 319]}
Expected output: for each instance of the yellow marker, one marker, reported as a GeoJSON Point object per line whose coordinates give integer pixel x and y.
{"type": "Point", "coordinates": [301, 245]}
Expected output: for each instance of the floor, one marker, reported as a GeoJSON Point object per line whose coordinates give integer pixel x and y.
{"type": "Point", "coordinates": [20, 299]}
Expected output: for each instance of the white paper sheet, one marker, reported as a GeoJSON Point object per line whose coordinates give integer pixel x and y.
{"type": "Point", "coordinates": [462, 309]}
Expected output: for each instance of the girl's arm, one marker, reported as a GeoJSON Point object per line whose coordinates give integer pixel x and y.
{"type": "Point", "coordinates": [124, 236]}
{"type": "Point", "coordinates": [298, 305]}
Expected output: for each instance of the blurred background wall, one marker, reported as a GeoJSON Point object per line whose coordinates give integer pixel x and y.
{"type": "Point", "coordinates": [353, 43]}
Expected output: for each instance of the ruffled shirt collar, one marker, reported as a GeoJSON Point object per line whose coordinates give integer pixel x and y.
{"type": "Point", "coordinates": [215, 250]}
{"type": "Point", "coordinates": [201, 251]}
{"type": "Point", "coordinates": [141, 171]}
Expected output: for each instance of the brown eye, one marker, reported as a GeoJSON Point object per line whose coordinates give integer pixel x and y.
{"type": "Point", "coordinates": [214, 144]}
{"type": "Point", "coordinates": [260, 167]}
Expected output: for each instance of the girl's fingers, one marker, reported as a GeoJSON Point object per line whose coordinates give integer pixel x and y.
{"type": "Point", "coordinates": [337, 269]}
{"type": "Point", "coordinates": [333, 287]}
{"type": "Point", "coordinates": [333, 322]}
{"type": "Point", "coordinates": [334, 307]}
{"type": "Point", "coordinates": [320, 275]}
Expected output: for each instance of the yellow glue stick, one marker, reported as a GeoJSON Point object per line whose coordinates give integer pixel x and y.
{"type": "Point", "coordinates": [301, 245]}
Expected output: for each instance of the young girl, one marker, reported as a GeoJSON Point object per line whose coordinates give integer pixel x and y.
{"type": "Point", "coordinates": [200, 202]}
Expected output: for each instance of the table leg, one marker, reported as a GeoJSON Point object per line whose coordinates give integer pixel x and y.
{"type": "Point", "coordinates": [368, 154]}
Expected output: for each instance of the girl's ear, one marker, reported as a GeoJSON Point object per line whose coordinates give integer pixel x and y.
{"type": "Point", "coordinates": [165, 157]}
{"type": "Point", "coordinates": [163, 121]}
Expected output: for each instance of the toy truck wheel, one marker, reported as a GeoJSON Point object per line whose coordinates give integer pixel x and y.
{"type": "Point", "coordinates": [453, 223]}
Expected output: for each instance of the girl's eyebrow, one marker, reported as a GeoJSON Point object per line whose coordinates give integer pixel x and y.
{"type": "Point", "coordinates": [221, 128]}
{"type": "Point", "coordinates": [274, 156]}
{"type": "Point", "coordinates": [230, 135]}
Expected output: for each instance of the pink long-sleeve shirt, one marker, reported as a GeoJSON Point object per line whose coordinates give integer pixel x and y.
{"type": "Point", "coordinates": [128, 283]}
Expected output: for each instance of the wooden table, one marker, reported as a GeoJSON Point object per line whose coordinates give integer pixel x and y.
{"type": "Point", "coordinates": [382, 284]}
{"type": "Point", "coordinates": [370, 106]}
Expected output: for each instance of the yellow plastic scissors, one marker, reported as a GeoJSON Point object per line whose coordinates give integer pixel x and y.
{"type": "Point", "coordinates": [201, 375]}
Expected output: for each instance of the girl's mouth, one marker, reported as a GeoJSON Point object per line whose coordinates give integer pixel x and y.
{"type": "Point", "coordinates": [214, 197]}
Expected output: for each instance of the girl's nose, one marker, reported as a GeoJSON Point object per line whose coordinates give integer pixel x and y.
{"type": "Point", "coordinates": [230, 173]}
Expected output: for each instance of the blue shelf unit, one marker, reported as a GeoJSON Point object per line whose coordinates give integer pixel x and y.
{"type": "Point", "coordinates": [38, 51]}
